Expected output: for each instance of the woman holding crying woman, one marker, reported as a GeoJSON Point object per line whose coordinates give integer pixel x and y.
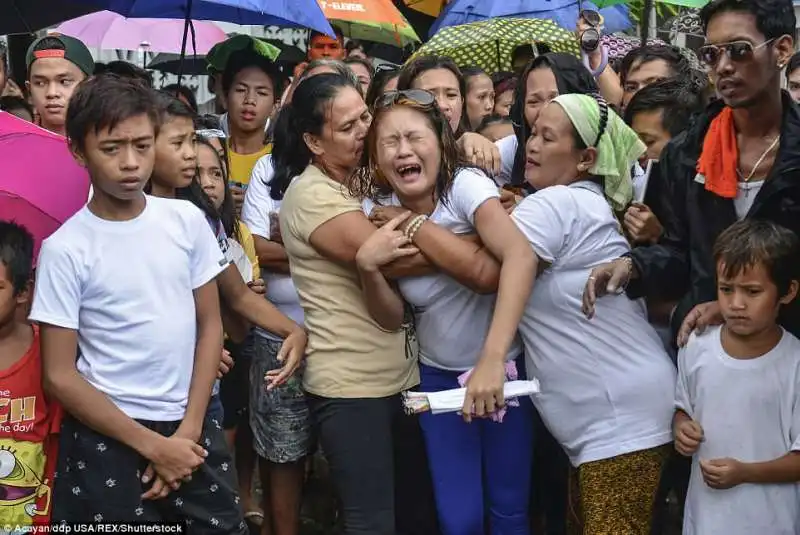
{"type": "Point", "coordinates": [421, 188]}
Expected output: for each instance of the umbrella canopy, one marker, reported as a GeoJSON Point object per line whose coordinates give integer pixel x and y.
{"type": "Point", "coordinates": [106, 29]}
{"type": "Point", "coordinates": [429, 7]}
{"type": "Point", "coordinates": [684, 3]}
{"type": "Point", "coordinates": [27, 16]}
{"type": "Point", "coordinates": [489, 44]}
{"type": "Point", "coordinates": [562, 12]}
{"type": "Point", "coordinates": [198, 65]}
{"type": "Point", "coordinates": [42, 196]}
{"type": "Point", "coordinates": [294, 13]}
{"type": "Point", "coordinates": [370, 20]}
{"type": "Point", "coordinates": [619, 45]}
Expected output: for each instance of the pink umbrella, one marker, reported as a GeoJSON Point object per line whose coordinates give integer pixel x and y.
{"type": "Point", "coordinates": [41, 185]}
{"type": "Point", "coordinates": [106, 29]}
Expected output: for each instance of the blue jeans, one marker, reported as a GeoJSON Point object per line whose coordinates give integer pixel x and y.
{"type": "Point", "coordinates": [480, 465]}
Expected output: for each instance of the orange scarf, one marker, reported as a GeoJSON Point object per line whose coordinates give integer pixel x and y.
{"type": "Point", "coordinates": [720, 156]}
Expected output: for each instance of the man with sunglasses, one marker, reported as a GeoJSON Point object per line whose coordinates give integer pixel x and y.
{"type": "Point", "coordinates": [741, 158]}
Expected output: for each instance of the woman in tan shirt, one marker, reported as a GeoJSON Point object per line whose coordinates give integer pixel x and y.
{"type": "Point", "coordinates": [355, 369]}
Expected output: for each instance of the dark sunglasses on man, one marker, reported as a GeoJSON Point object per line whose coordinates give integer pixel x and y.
{"type": "Point", "coordinates": [737, 51]}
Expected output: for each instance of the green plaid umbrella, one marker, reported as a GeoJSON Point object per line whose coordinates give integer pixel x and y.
{"type": "Point", "coordinates": [488, 44]}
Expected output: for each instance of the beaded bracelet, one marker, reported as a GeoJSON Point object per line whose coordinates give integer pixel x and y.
{"type": "Point", "coordinates": [414, 226]}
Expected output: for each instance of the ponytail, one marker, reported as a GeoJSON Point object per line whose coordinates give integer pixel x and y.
{"type": "Point", "coordinates": [290, 154]}
{"type": "Point", "coordinates": [305, 114]}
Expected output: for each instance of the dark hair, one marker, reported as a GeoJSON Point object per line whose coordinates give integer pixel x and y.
{"type": "Point", "coordinates": [472, 71]}
{"type": "Point", "coordinates": [368, 182]}
{"type": "Point", "coordinates": [242, 59]}
{"type": "Point", "coordinates": [16, 254]}
{"type": "Point", "coordinates": [178, 91]}
{"type": "Point", "coordinates": [571, 77]}
{"type": "Point", "coordinates": [227, 212]}
{"type": "Point", "coordinates": [491, 120]}
{"type": "Point", "coordinates": [3, 56]}
{"type": "Point", "coordinates": [353, 44]}
{"type": "Point", "coordinates": [751, 242]}
{"type": "Point", "coordinates": [678, 100]}
{"type": "Point", "coordinates": [378, 86]}
{"type": "Point", "coordinates": [774, 18]}
{"type": "Point", "coordinates": [124, 69]}
{"type": "Point", "coordinates": [168, 105]}
{"type": "Point", "coordinates": [102, 102]}
{"type": "Point", "coordinates": [680, 65]}
{"type": "Point", "coordinates": [305, 114]}
{"type": "Point", "coordinates": [8, 103]}
{"type": "Point", "coordinates": [793, 65]}
{"type": "Point", "coordinates": [504, 81]}
{"type": "Point", "coordinates": [313, 33]}
{"type": "Point", "coordinates": [363, 62]}
{"type": "Point", "coordinates": [421, 64]}
{"type": "Point", "coordinates": [414, 68]}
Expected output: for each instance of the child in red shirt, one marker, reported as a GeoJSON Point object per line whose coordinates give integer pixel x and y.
{"type": "Point", "coordinates": [29, 422]}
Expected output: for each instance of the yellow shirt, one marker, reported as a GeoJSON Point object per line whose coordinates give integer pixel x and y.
{"type": "Point", "coordinates": [349, 354]}
{"type": "Point", "coordinates": [241, 165]}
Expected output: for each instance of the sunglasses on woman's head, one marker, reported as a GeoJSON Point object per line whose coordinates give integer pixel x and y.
{"type": "Point", "coordinates": [386, 67]}
{"type": "Point", "coordinates": [417, 96]}
{"type": "Point", "coordinates": [737, 51]}
{"type": "Point", "coordinates": [211, 133]}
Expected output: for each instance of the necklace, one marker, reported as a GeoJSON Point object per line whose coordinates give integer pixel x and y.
{"type": "Point", "coordinates": [758, 162]}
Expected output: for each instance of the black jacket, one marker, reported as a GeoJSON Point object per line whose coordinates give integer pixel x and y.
{"type": "Point", "coordinates": [682, 263]}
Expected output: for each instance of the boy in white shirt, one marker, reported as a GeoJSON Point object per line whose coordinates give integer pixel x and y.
{"type": "Point", "coordinates": [129, 281]}
{"type": "Point", "coordinates": [738, 393]}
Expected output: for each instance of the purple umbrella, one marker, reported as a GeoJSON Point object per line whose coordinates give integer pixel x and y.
{"type": "Point", "coordinates": [106, 29]}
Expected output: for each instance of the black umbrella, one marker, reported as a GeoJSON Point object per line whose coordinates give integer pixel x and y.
{"type": "Point", "coordinates": [28, 16]}
{"type": "Point", "coordinates": [192, 65]}
{"type": "Point", "coordinates": [196, 65]}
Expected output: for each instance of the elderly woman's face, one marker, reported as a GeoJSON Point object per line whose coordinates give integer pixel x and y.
{"type": "Point", "coordinates": [407, 152]}
{"type": "Point", "coordinates": [341, 142]}
{"type": "Point", "coordinates": [552, 157]}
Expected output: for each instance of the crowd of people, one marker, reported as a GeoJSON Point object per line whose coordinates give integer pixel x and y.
{"type": "Point", "coordinates": [262, 278]}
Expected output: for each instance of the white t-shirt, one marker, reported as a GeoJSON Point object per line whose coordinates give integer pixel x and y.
{"type": "Point", "coordinates": [606, 383]}
{"type": "Point", "coordinates": [746, 196]}
{"type": "Point", "coordinates": [750, 411]}
{"type": "Point", "coordinates": [126, 287]}
{"type": "Point", "coordinates": [508, 150]}
{"type": "Point", "coordinates": [255, 213]}
{"type": "Point", "coordinates": [452, 320]}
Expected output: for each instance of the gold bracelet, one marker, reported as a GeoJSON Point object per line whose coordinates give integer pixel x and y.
{"type": "Point", "coordinates": [628, 261]}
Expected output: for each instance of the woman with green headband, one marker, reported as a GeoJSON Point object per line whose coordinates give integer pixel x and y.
{"type": "Point", "coordinates": [607, 385]}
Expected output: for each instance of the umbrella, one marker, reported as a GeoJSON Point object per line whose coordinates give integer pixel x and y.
{"type": "Point", "coordinates": [197, 65]}
{"type": "Point", "coordinates": [619, 45]}
{"type": "Point", "coordinates": [27, 16]}
{"type": "Point", "coordinates": [106, 29]}
{"type": "Point", "coordinates": [294, 13]}
{"type": "Point", "coordinates": [42, 196]}
{"type": "Point", "coordinates": [684, 3]}
{"type": "Point", "coordinates": [370, 20]}
{"type": "Point", "coordinates": [429, 7]}
{"type": "Point", "coordinates": [562, 12]}
{"type": "Point", "coordinates": [488, 44]}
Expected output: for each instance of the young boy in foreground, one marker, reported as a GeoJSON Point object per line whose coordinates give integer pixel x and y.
{"type": "Point", "coordinates": [738, 392]}
{"type": "Point", "coordinates": [29, 420]}
{"type": "Point", "coordinates": [130, 280]}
